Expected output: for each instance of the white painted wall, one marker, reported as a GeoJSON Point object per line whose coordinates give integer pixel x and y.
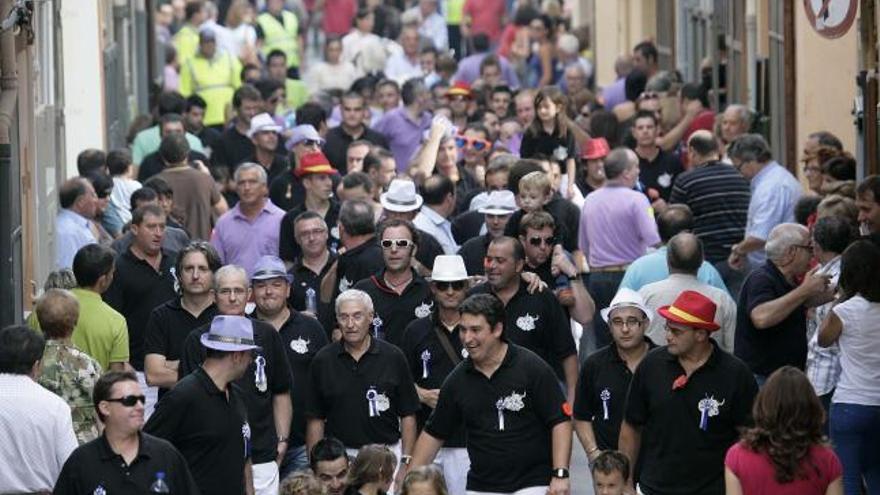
{"type": "Point", "coordinates": [83, 73]}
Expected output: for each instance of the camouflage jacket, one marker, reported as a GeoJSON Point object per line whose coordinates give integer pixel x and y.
{"type": "Point", "coordinates": [71, 374]}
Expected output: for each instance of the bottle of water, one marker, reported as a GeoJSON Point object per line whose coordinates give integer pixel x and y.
{"type": "Point", "coordinates": [311, 301]}
{"type": "Point", "coordinates": [159, 486]}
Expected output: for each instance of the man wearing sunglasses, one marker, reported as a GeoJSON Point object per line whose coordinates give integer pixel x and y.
{"type": "Point", "coordinates": [398, 292]}
{"type": "Point", "coordinates": [145, 460]}
{"type": "Point", "coordinates": [433, 348]}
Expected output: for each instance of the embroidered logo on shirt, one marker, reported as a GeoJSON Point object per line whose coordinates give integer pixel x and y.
{"type": "Point", "coordinates": [377, 326]}
{"type": "Point", "coordinates": [260, 374]}
{"type": "Point", "coordinates": [344, 284]}
{"type": "Point", "coordinates": [99, 490]}
{"type": "Point", "coordinates": [424, 310]}
{"type": "Point", "coordinates": [708, 408]}
{"type": "Point", "coordinates": [173, 273]}
{"type": "Point", "coordinates": [334, 232]}
{"type": "Point", "coordinates": [513, 402]}
{"type": "Point", "coordinates": [560, 153]}
{"type": "Point", "coordinates": [246, 435]}
{"type": "Point", "coordinates": [377, 402]}
{"type": "Point", "coordinates": [299, 345]}
{"type": "Point", "coordinates": [527, 323]}
{"type": "Point", "coordinates": [665, 180]}
{"type": "Point", "coordinates": [426, 360]}
{"type": "Point", "coordinates": [605, 396]}
{"type": "Point", "coordinates": [464, 353]}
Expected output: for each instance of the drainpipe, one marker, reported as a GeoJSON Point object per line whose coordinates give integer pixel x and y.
{"type": "Point", "coordinates": [751, 50]}
{"type": "Point", "coordinates": [9, 231]}
{"type": "Point", "coordinates": [8, 87]}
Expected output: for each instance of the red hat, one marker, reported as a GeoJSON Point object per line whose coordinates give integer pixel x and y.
{"type": "Point", "coordinates": [314, 163]}
{"type": "Point", "coordinates": [691, 309]}
{"type": "Point", "coordinates": [460, 88]}
{"type": "Point", "coordinates": [595, 148]}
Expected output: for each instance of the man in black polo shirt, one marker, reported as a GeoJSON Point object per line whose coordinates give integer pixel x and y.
{"type": "Point", "coordinates": [606, 374]}
{"type": "Point", "coordinates": [302, 336]}
{"type": "Point", "coordinates": [771, 324]}
{"type": "Point", "coordinates": [534, 321]}
{"type": "Point", "coordinates": [403, 203]}
{"type": "Point", "coordinates": [360, 389]}
{"type": "Point", "coordinates": [171, 322]}
{"type": "Point", "coordinates": [144, 279]}
{"type": "Point", "coordinates": [265, 386]}
{"type": "Point", "coordinates": [685, 404]}
{"type": "Point", "coordinates": [399, 294]}
{"type": "Point", "coordinates": [234, 145]}
{"type": "Point", "coordinates": [658, 168]}
{"type": "Point", "coordinates": [123, 459]}
{"type": "Point", "coordinates": [205, 415]}
{"type": "Point", "coordinates": [311, 233]}
{"type": "Point", "coordinates": [432, 348]}
{"type": "Point", "coordinates": [315, 173]}
{"type": "Point", "coordinates": [498, 208]}
{"type": "Point", "coordinates": [352, 128]}
{"type": "Point", "coordinates": [515, 416]}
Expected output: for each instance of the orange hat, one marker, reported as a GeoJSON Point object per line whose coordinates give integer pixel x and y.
{"type": "Point", "coordinates": [691, 309]}
{"type": "Point", "coordinates": [595, 148]}
{"type": "Point", "coordinates": [314, 163]}
{"type": "Point", "coordinates": [460, 88]}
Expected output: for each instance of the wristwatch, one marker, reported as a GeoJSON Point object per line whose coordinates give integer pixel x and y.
{"type": "Point", "coordinates": [405, 460]}
{"type": "Point", "coordinates": [561, 473]}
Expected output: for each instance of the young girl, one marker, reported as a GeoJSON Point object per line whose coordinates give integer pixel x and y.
{"type": "Point", "coordinates": [549, 135]}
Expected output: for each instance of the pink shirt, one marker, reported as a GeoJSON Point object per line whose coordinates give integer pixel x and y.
{"type": "Point", "coordinates": [617, 226]}
{"type": "Point", "coordinates": [486, 17]}
{"type": "Point", "coordinates": [340, 22]}
{"type": "Point", "coordinates": [757, 475]}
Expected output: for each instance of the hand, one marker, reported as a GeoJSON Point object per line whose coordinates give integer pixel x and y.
{"type": "Point", "coordinates": [561, 264]}
{"type": "Point", "coordinates": [736, 260]}
{"type": "Point", "coordinates": [440, 125]}
{"type": "Point", "coordinates": [693, 108]}
{"type": "Point", "coordinates": [336, 335]}
{"type": "Point", "coordinates": [398, 478]}
{"type": "Point", "coordinates": [559, 486]}
{"type": "Point", "coordinates": [533, 282]}
{"type": "Point", "coordinates": [201, 167]}
{"type": "Point", "coordinates": [592, 456]}
{"type": "Point", "coordinates": [817, 284]}
{"type": "Point", "coordinates": [428, 396]}
{"type": "Point", "coordinates": [659, 205]}
{"type": "Point", "coordinates": [569, 192]}
{"type": "Point", "coordinates": [282, 450]}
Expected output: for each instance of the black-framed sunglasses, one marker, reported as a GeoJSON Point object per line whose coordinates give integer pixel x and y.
{"type": "Point", "coordinates": [129, 400]}
{"type": "Point", "coordinates": [444, 286]}
{"type": "Point", "coordinates": [400, 243]}
{"type": "Point", "coordinates": [537, 241]}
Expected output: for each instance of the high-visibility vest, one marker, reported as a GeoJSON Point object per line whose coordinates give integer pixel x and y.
{"type": "Point", "coordinates": [278, 36]}
{"type": "Point", "coordinates": [214, 80]}
{"type": "Point", "coordinates": [297, 93]}
{"type": "Point", "coordinates": [186, 42]}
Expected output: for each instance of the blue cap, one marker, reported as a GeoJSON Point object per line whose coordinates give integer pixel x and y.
{"type": "Point", "coordinates": [231, 334]}
{"type": "Point", "coordinates": [300, 133]}
{"type": "Point", "coordinates": [269, 267]}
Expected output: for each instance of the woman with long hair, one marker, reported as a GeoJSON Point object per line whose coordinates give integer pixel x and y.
{"type": "Point", "coordinates": [785, 452]}
{"type": "Point", "coordinates": [550, 134]}
{"type": "Point", "coordinates": [371, 472]}
{"type": "Point", "coordinates": [854, 324]}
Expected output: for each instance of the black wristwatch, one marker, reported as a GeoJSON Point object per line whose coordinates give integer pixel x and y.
{"type": "Point", "coordinates": [561, 473]}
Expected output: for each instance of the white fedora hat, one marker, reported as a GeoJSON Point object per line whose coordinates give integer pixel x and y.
{"type": "Point", "coordinates": [449, 268]}
{"type": "Point", "coordinates": [262, 123]}
{"type": "Point", "coordinates": [499, 203]}
{"type": "Point", "coordinates": [401, 196]}
{"type": "Point", "coordinates": [627, 298]}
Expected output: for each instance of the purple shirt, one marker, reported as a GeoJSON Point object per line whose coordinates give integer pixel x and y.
{"type": "Point", "coordinates": [241, 241]}
{"type": "Point", "coordinates": [617, 226]}
{"type": "Point", "coordinates": [404, 136]}
{"type": "Point", "coordinates": [469, 70]}
{"type": "Point", "coordinates": [614, 94]}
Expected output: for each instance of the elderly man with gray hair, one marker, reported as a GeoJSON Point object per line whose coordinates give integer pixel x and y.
{"type": "Point", "coordinates": [251, 228]}
{"type": "Point", "coordinates": [771, 327]}
{"type": "Point", "coordinates": [774, 193]}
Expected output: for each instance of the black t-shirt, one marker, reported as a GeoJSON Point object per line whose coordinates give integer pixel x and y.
{"type": "Point", "coordinates": [659, 174]}
{"type": "Point", "coordinates": [394, 311]}
{"type": "Point", "coordinates": [168, 327]}
{"type": "Point", "coordinates": [430, 364]}
{"type": "Point", "coordinates": [303, 337]}
{"type": "Point", "coordinates": [601, 394]}
{"type": "Point", "coordinates": [288, 249]}
{"type": "Point", "coordinates": [152, 164]}
{"type": "Point", "coordinates": [508, 419]}
{"type": "Point", "coordinates": [276, 373]}
{"type": "Point", "coordinates": [95, 466]}
{"type": "Point", "coordinates": [766, 350]}
{"type": "Point", "coordinates": [136, 290]}
{"type": "Point", "coordinates": [554, 146]}
{"type": "Point", "coordinates": [232, 149]}
{"type": "Point", "coordinates": [209, 136]}
{"type": "Point", "coordinates": [209, 428]}
{"type": "Point", "coordinates": [474, 254]}
{"type": "Point", "coordinates": [361, 401]}
{"type": "Point", "coordinates": [304, 279]}
{"type": "Point", "coordinates": [467, 225]}
{"type": "Point", "coordinates": [280, 164]}
{"type": "Point", "coordinates": [566, 215]}
{"type": "Point", "coordinates": [538, 323]}
{"type": "Point", "coordinates": [286, 191]}
{"type": "Point", "coordinates": [465, 189]}
{"type": "Point", "coordinates": [429, 248]}
{"type": "Point", "coordinates": [357, 264]}
{"type": "Point", "coordinates": [686, 431]}
{"type": "Point", "coordinates": [338, 140]}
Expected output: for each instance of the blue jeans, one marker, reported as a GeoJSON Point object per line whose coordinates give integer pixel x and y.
{"type": "Point", "coordinates": [295, 459]}
{"type": "Point", "coordinates": [602, 287]}
{"type": "Point", "coordinates": [855, 433]}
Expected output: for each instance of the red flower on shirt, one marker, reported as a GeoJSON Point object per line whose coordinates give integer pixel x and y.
{"type": "Point", "coordinates": [680, 382]}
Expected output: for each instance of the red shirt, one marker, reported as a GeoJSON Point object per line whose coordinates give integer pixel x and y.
{"type": "Point", "coordinates": [705, 121]}
{"type": "Point", "coordinates": [757, 476]}
{"type": "Point", "coordinates": [486, 17]}
{"type": "Point", "coordinates": [338, 24]}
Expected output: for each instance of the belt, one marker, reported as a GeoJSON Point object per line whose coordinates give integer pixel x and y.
{"type": "Point", "coordinates": [609, 268]}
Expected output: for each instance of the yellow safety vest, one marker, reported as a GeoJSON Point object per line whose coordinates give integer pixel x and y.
{"type": "Point", "coordinates": [214, 80]}
{"type": "Point", "coordinates": [278, 36]}
{"type": "Point", "coordinates": [297, 93]}
{"type": "Point", "coordinates": [186, 42]}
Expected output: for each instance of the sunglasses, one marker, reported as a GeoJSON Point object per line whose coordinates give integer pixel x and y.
{"type": "Point", "coordinates": [401, 243]}
{"type": "Point", "coordinates": [444, 286]}
{"type": "Point", "coordinates": [478, 144]}
{"type": "Point", "coordinates": [649, 95]}
{"type": "Point", "coordinates": [311, 142]}
{"type": "Point", "coordinates": [129, 400]}
{"type": "Point", "coordinates": [537, 241]}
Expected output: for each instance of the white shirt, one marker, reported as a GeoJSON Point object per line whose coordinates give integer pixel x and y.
{"type": "Point", "coordinates": [353, 42]}
{"type": "Point", "coordinates": [323, 76]}
{"type": "Point", "coordinates": [401, 69]}
{"type": "Point", "coordinates": [72, 231]}
{"type": "Point", "coordinates": [664, 292]}
{"type": "Point", "coordinates": [859, 352]}
{"type": "Point", "coordinates": [121, 196]}
{"type": "Point", "coordinates": [37, 435]}
{"type": "Point", "coordinates": [431, 222]}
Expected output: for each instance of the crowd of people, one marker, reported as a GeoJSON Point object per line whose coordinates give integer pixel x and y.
{"type": "Point", "coordinates": [429, 261]}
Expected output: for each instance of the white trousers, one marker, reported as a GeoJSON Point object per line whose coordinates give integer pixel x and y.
{"type": "Point", "coordinates": [266, 478]}
{"type": "Point", "coordinates": [151, 393]}
{"type": "Point", "coordinates": [455, 464]}
{"type": "Point", "coordinates": [532, 490]}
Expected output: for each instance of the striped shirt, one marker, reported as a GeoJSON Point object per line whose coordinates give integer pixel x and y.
{"type": "Point", "coordinates": [719, 197]}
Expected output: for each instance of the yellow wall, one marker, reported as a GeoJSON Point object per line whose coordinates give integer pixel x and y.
{"type": "Point", "coordinates": [620, 25]}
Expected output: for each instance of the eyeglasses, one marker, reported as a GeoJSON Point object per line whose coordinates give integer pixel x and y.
{"type": "Point", "coordinates": [537, 241]}
{"type": "Point", "coordinates": [808, 247]}
{"type": "Point", "coordinates": [312, 233]}
{"type": "Point", "coordinates": [129, 400]}
{"type": "Point", "coordinates": [400, 243]}
{"type": "Point", "coordinates": [227, 291]}
{"type": "Point", "coordinates": [629, 322]}
{"type": "Point", "coordinates": [444, 286]}
{"type": "Point", "coordinates": [311, 143]}
{"type": "Point", "coordinates": [478, 144]}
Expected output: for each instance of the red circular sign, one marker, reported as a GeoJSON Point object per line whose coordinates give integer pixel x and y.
{"type": "Point", "coordinates": [831, 18]}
